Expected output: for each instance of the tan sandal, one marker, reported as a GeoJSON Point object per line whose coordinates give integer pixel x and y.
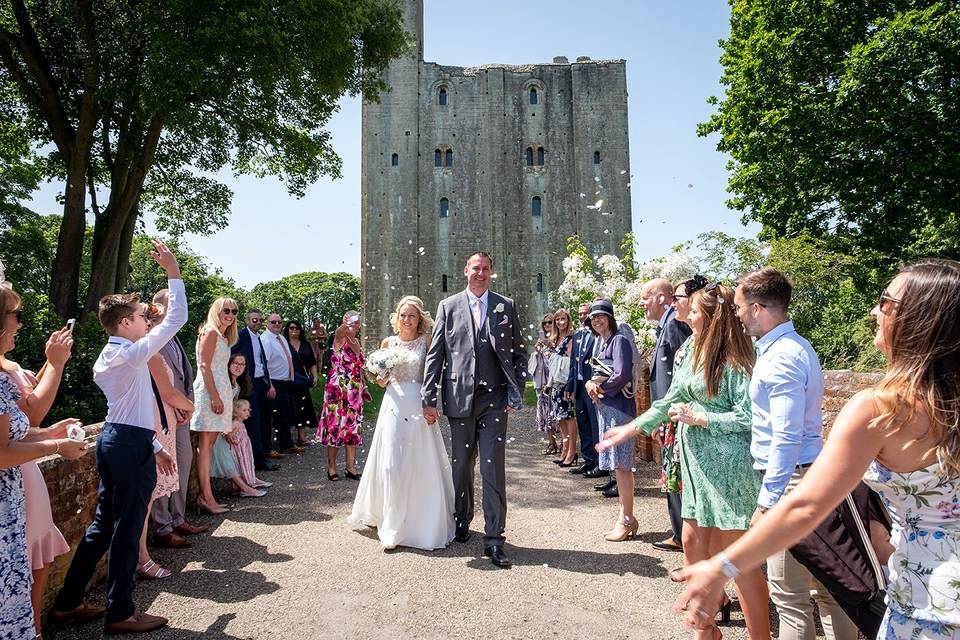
{"type": "Point", "coordinates": [622, 531]}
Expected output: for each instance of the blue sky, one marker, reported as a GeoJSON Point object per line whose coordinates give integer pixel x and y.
{"type": "Point", "coordinates": [678, 188]}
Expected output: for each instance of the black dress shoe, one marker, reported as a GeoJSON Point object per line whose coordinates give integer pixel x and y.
{"type": "Point", "coordinates": [462, 534]}
{"type": "Point", "coordinates": [611, 493]}
{"type": "Point", "coordinates": [497, 556]}
{"type": "Point", "coordinates": [605, 486]}
{"type": "Point", "coordinates": [271, 466]}
{"type": "Point", "coordinates": [586, 466]}
{"type": "Point", "coordinates": [596, 473]}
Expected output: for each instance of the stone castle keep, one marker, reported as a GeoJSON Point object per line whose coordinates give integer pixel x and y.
{"type": "Point", "coordinates": [511, 160]}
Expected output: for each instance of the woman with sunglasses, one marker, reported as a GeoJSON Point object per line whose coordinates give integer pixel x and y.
{"type": "Point", "coordinates": [563, 410]}
{"type": "Point", "coordinates": [902, 437]}
{"type": "Point", "coordinates": [709, 398]}
{"type": "Point", "coordinates": [545, 422]}
{"type": "Point", "coordinates": [213, 391]}
{"type": "Point", "coordinates": [305, 376]}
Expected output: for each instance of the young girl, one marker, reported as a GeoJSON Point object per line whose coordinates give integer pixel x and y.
{"type": "Point", "coordinates": [240, 445]}
{"type": "Point", "coordinates": [224, 462]}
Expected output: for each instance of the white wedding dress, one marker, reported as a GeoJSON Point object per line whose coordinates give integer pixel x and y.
{"type": "Point", "coordinates": [406, 490]}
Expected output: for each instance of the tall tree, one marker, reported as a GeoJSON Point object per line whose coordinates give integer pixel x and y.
{"type": "Point", "coordinates": [842, 120]}
{"type": "Point", "coordinates": [305, 296]}
{"type": "Point", "coordinates": [144, 97]}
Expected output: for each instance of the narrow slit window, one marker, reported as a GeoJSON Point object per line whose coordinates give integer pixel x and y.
{"type": "Point", "coordinates": [529, 156]}
{"type": "Point", "coordinates": [596, 157]}
{"type": "Point", "coordinates": [449, 155]}
{"type": "Point", "coordinates": [444, 208]}
{"type": "Point", "coordinates": [535, 206]}
{"type": "Point", "coordinates": [534, 98]}
{"type": "Point", "coordinates": [539, 283]}
{"type": "Point", "coordinates": [442, 97]}
{"type": "Point", "coordinates": [443, 283]}
{"type": "Point", "coordinates": [540, 156]}
{"type": "Point", "coordinates": [437, 158]}
{"type": "Point", "coordinates": [395, 160]}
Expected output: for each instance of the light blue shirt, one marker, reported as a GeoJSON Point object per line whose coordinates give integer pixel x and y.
{"type": "Point", "coordinates": [787, 394]}
{"type": "Point", "coordinates": [482, 301]}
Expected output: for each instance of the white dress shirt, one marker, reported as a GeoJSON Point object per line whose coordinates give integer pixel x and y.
{"type": "Point", "coordinates": [482, 301]}
{"type": "Point", "coordinates": [277, 351]}
{"type": "Point", "coordinates": [255, 341]}
{"type": "Point", "coordinates": [121, 369]}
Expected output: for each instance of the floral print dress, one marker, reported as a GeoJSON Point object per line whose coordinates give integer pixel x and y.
{"type": "Point", "coordinates": [16, 611]}
{"type": "Point", "coordinates": [343, 399]}
{"type": "Point", "coordinates": [923, 594]}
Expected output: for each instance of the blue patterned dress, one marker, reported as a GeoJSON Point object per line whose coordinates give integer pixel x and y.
{"type": "Point", "coordinates": [16, 612]}
{"type": "Point", "coordinates": [923, 595]}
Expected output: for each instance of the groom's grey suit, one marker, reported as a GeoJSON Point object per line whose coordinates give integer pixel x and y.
{"type": "Point", "coordinates": [479, 371]}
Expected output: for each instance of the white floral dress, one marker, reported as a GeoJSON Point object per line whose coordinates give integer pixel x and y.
{"type": "Point", "coordinates": [204, 419]}
{"type": "Point", "coordinates": [923, 595]}
{"type": "Point", "coordinates": [16, 612]}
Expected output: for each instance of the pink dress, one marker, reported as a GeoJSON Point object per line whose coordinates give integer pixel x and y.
{"type": "Point", "coordinates": [343, 399]}
{"type": "Point", "coordinates": [44, 540]}
{"type": "Point", "coordinates": [243, 452]}
{"type": "Point", "coordinates": [167, 484]}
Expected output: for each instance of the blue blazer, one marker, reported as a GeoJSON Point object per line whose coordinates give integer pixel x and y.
{"type": "Point", "coordinates": [583, 341]}
{"type": "Point", "coordinates": [245, 346]}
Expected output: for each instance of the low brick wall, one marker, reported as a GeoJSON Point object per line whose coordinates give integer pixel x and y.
{"type": "Point", "coordinates": [838, 387]}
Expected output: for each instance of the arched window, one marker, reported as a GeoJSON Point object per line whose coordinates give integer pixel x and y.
{"type": "Point", "coordinates": [529, 156]}
{"type": "Point", "coordinates": [540, 154]}
{"type": "Point", "coordinates": [596, 157]}
{"type": "Point", "coordinates": [533, 95]}
{"type": "Point", "coordinates": [535, 206]}
{"type": "Point", "coordinates": [437, 158]}
{"type": "Point", "coordinates": [444, 208]}
{"type": "Point", "coordinates": [449, 155]}
{"type": "Point", "coordinates": [442, 97]}
{"type": "Point", "coordinates": [395, 160]}
{"type": "Point", "coordinates": [443, 283]}
{"type": "Point", "coordinates": [539, 283]}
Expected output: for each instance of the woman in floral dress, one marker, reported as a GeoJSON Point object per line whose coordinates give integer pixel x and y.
{"type": "Point", "coordinates": [343, 398]}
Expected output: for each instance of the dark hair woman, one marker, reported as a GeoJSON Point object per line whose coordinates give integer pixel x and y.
{"type": "Point", "coordinates": [542, 351]}
{"type": "Point", "coordinates": [305, 376]}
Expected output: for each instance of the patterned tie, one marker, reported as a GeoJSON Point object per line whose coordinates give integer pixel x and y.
{"type": "Point", "coordinates": [286, 351]}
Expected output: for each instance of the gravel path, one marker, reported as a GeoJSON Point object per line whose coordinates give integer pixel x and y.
{"type": "Point", "coordinates": [289, 566]}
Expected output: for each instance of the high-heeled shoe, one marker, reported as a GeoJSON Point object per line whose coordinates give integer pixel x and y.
{"type": "Point", "coordinates": [351, 475]}
{"type": "Point", "coordinates": [549, 451]}
{"type": "Point", "coordinates": [204, 507]}
{"type": "Point", "coordinates": [725, 609]}
{"type": "Point", "coordinates": [576, 459]}
{"type": "Point", "coordinates": [623, 530]}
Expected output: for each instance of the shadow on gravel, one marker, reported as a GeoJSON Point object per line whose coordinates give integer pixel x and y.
{"type": "Point", "coordinates": [220, 586]}
{"type": "Point", "coordinates": [276, 514]}
{"type": "Point", "coordinates": [586, 562]}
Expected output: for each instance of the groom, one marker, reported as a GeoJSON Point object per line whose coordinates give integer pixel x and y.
{"type": "Point", "coordinates": [478, 361]}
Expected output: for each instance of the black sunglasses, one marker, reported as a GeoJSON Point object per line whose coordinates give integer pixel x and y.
{"type": "Point", "coordinates": [677, 297]}
{"type": "Point", "coordinates": [19, 315]}
{"type": "Point", "coordinates": [275, 322]}
{"type": "Point", "coordinates": [230, 312]}
{"type": "Point", "coordinates": [884, 299]}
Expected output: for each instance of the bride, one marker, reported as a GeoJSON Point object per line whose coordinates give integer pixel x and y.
{"type": "Point", "coordinates": [406, 490]}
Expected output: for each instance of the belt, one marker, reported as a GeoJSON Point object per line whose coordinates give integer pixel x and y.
{"type": "Point", "coordinates": [797, 468]}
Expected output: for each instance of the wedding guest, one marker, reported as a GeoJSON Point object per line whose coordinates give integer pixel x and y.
{"type": "Point", "coordinates": [168, 401]}
{"type": "Point", "coordinates": [786, 393]}
{"type": "Point", "coordinates": [305, 376]}
{"type": "Point", "coordinates": [709, 398]}
{"type": "Point", "coordinates": [681, 296]}
{"type": "Point", "coordinates": [318, 342]}
{"type": "Point", "coordinates": [584, 348]}
{"type": "Point", "coordinates": [671, 333]}
{"type": "Point", "coordinates": [902, 438]}
{"type": "Point", "coordinates": [43, 540]}
{"type": "Point", "coordinates": [540, 373]}
{"type": "Point", "coordinates": [239, 442]}
{"type": "Point", "coordinates": [563, 411]}
{"type": "Point", "coordinates": [343, 398]}
{"type": "Point", "coordinates": [168, 514]}
{"type": "Point", "coordinates": [614, 408]}
{"type": "Point", "coordinates": [280, 365]}
{"type": "Point", "coordinates": [259, 426]}
{"type": "Point", "coordinates": [124, 451]}
{"type": "Point", "coordinates": [213, 392]}
{"type": "Point", "coordinates": [224, 461]}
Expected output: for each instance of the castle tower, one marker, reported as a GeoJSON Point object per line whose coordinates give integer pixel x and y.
{"type": "Point", "coordinates": [512, 160]}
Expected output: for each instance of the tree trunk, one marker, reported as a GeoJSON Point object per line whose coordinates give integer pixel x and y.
{"type": "Point", "coordinates": [126, 245]}
{"type": "Point", "coordinates": [65, 280]}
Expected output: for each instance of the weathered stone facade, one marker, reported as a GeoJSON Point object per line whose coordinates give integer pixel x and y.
{"type": "Point", "coordinates": [511, 160]}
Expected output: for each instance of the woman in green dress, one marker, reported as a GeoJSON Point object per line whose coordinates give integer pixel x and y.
{"type": "Point", "coordinates": [710, 399]}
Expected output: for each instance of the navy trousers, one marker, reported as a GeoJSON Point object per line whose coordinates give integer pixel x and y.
{"type": "Point", "coordinates": [128, 474]}
{"type": "Point", "coordinates": [252, 423]}
{"type": "Point", "coordinates": [587, 426]}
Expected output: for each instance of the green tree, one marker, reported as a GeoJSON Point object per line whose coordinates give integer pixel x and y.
{"type": "Point", "coordinates": [144, 98]}
{"type": "Point", "coordinates": [842, 121]}
{"type": "Point", "coordinates": [305, 296]}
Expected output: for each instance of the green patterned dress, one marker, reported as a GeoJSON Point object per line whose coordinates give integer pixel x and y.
{"type": "Point", "coordinates": [720, 486]}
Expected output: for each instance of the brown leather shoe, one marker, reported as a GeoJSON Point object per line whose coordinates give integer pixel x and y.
{"type": "Point", "coordinates": [187, 529]}
{"type": "Point", "coordinates": [81, 614]}
{"type": "Point", "coordinates": [139, 622]}
{"type": "Point", "coordinates": [293, 450]}
{"type": "Point", "coordinates": [172, 541]}
{"type": "Point", "coordinates": [274, 455]}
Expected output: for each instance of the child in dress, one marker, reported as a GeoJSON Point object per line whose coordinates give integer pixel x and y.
{"type": "Point", "coordinates": [240, 445]}
{"type": "Point", "coordinates": [224, 463]}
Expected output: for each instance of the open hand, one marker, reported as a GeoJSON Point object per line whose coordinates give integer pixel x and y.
{"type": "Point", "coordinates": [615, 436]}
{"type": "Point", "coordinates": [165, 463]}
{"type": "Point", "coordinates": [682, 412]}
{"type": "Point", "coordinates": [58, 430]}
{"type": "Point", "coordinates": [701, 600]}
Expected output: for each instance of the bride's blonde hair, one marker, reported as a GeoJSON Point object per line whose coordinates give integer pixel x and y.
{"type": "Point", "coordinates": [423, 326]}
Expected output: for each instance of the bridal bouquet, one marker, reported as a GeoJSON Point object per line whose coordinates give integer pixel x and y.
{"type": "Point", "coordinates": [382, 361]}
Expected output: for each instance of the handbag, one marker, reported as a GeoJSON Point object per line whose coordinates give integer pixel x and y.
{"type": "Point", "coordinates": [877, 604]}
{"type": "Point", "coordinates": [603, 371]}
{"type": "Point", "coordinates": [559, 371]}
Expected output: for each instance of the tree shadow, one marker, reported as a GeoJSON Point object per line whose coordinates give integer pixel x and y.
{"type": "Point", "coordinates": [275, 514]}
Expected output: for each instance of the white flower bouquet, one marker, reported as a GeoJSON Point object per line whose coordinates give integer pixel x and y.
{"type": "Point", "coordinates": [381, 362]}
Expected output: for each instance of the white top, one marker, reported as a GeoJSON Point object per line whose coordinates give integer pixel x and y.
{"type": "Point", "coordinates": [483, 301]}
{"type": "Point", "coordinates": [255, 342]}
{"type": "Point", "coordinates": [121, 369]}
{"type": "Point", "coordinates": [277, 351]}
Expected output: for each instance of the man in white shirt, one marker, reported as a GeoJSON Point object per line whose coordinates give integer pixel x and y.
{"type": "Point", "coordinates": [276, 351]}
{"type": "Point", "coordinates": [128, 455]}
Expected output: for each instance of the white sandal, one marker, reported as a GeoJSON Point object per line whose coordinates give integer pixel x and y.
{"type": "Point", "coordinates": [150, 570]}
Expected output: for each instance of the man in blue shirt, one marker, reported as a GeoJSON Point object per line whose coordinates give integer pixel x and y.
{"type": "Point", "coordinates": [786, 390]}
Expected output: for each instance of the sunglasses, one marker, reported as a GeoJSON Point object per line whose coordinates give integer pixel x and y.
{"type": "Point", "coordinates": [547, 322]}
{"type": "Point", "coordinates": [18, 314]}
{"type": "Point", "coordinates": [885, 299]}
{"type": "Point", "coordinates": [229, 311]}
{"type": "Point", "coordinates": [275, 322]}
{"type": "Point", "coordinates": [676, 297]}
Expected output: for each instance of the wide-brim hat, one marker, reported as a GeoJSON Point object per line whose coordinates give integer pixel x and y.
{"type": "Point", "coordinates": [600, 307]}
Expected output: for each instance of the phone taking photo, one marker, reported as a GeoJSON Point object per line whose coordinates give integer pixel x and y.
{"type": "Point", "coordinates": [70, 323]}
